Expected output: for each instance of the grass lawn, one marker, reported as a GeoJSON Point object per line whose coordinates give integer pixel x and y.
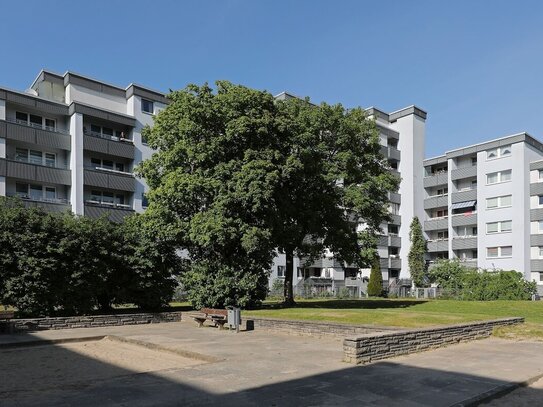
{"type": "Point", "coordinates": [404, 312]}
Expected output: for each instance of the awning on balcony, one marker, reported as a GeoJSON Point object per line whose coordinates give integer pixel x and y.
{"type": "Point", "coordinates": [466, 204]}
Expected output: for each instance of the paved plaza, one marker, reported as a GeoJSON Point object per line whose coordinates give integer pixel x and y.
{"type": "Point", "coordinates": [180, 364]}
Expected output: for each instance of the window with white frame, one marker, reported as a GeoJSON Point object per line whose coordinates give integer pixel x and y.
{"type": "Point", "coordinates": [540, 226]}
{"type": "Point", "coordinates": [503, 151]}
{"type": "Point", "coordinates": [98, 163]}
{"type": "Point", "coordinates": [540, 174]}
{"type": "Point", "coordinates": [281, 271]}
{"type": "Point", "coordinates": [147, 106]}
{"type": "Point", "coordinates": [540, 249]}
{"type": "Point", "coordinates": [107, 198]}
{"type": "Point", "coordinates": [35, 192]}
{"type": "Point", "coordinates": [503, 226]}
{"type": "Point", "coordinates": [500, 251]}
{"type": "Point", "coordinates": [498, 202]}
{"type": "Point", "coordinates": [35, 121]}
{"type": "Point", "coordinates": [497, 177]}
{"type": "Point", "coordinates": [442, 235]}
{"type": "Point", "coordinates": [35, 157]}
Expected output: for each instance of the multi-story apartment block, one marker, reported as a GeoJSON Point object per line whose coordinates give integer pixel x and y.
{"type": "Point", "coordinates": [482, 205]}
{"type": "Point", "coordinates": [402, 136]}
{"type": "Point", "coordinates": [71, 142]}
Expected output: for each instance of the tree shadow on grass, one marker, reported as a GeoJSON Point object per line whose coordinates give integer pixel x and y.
{"type": "Point", "coordinates": [349, 304]}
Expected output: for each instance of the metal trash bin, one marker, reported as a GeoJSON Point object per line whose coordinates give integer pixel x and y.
{"type": "Point", "coordinates": [234, 318]}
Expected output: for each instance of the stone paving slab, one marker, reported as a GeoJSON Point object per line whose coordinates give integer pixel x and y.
{"type": "Point", "coordinates": [272, 369]}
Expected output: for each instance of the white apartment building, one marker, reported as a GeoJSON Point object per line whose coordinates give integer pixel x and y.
{"type": "Point", "coordinates": [484, 205]}
{"type": "Point", "coordinates": [71, 142]}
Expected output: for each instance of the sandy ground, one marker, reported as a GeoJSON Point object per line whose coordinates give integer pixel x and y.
{"type": "Point", "coordinates": [70, 364]}
{"type": "Point", "coordinates": [525, 396]}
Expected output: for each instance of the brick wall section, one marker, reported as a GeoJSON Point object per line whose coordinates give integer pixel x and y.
{"type": "Point", "coordinates": [312, 328]}
{"type": "Point", "coordinates": [371, 347]}
{"type": "Point", "coordinates": [91, 321]}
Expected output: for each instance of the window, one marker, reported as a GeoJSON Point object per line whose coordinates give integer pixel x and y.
{"type": "Point", "coordinates": [442, 213]}
{"type": "Point", "coordinates": [108, 197]}
{"type": "Point", "coordinates": [393, 229]}
{"type": "Point", "coordinates": [443, 235]}
{"type": "Point", "coordinates": [96, 129]}
{"type": "Point", "coordinates": [540, 251]}
{"type": "Point", "coordinates": [503, 251]}
{"type": "Point", "coordinates": [473, 160]}
{"type": "Point", "coordinates": [495, 177]}
{"type": "Point", "coordinates": [119, 199]}
{"type": "Point", "coordinates": [107, 164]}
{"type": "Point", "coordinates": [119, 167]}
{"type": "Point", "coordinates": [107, 131]}
{"type": "Point", "coordinates": [50, 160]}
{"type": "Point", "coordinates": [498, 202]}
{"type": "Point", "coordinates": [96, 162]}
{"type": "Point", "coordinates": [21, 190]}
{"type": "Point", "coordinates": [394, 208]}
{"type": "Point", "coordinates": [443, 191]}
{"type": "Point", "coordinates": [498, 152]}
{"type": "Point", "coordinates": [36, 192]}
{"type": "Point", "coordinates": [492, 154]}
{"type": "Point", "coordinates": [21, 118]}
{"type": "Point", "coordinates": [144, 200]}
{"type": "Point", "coordinates": [21, 154]}
{"type": "Point", "coordinates": [35, 157]}
{"type": "Point", "coordinates": [281, 271]}
{"type": "Point", "coordinates": [50, 124]}
{"type": "Point", "coordinates": [36, 121]}
{"type": "Point", "coordinates": [499, 227]}
{"type": "Point", "coordinates": [474, 231]}
{"type": "Point", "coordinates": [540, 225]}
{"type": "Point", "coordinates": [147, 106]}
{"type": "Point", "coordinates": [540, 174]}
{"type": "Point", "coordinates": [50, 193]}
{"type": "Point", "coordinates": [96, 196]}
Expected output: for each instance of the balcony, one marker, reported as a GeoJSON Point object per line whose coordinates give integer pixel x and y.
{"type": "Point", "coordinates": [438, 178]}
{"type": "Point", "coordinates": [436, 223]}
{"type": "Point", "coordinates": [464, 172]}
{"type": "Point", "coordinates": [391, 152]}
{"type": "Point", "coordinates": [354, 282]}
{"type": "Point", "coordinates": [48, 205]}
{"type": "Point", "coordinates": [472, 263]}
{"type": "Point", "coordinates": [536, 188]}
{"type": "Point", "coordinates": [465, 195]}
{"type": "Point", "coordinates": [389, 241]}
{"type": "Point", "coordinates": [464, 242]}
{"type": "Point", "coordinates": [109, 179]}
{"type": "Point", "coordinates": [536, 214]}
{"type": "Point", "coordinates": [464, 219]}
{"type": "Point", "coordinates": [113, 212]}
{"type": "Point", "coordinates": [110, 145]}
{"type": "Point", "coordinates": [395, 219]}
{"type": "Point", "coordinates": [42, 136]}
{"type": "Point", "coordinates": [438, 245]}
{"type": "Point", "coordinates": [394, 197]}
{"type": "Point", "coordinates": [436, 201]}
{"type": "Point", "coordinates": [34, 172]}
{"type": "Point", "coordinates": [536, 265]}
{"type": "Point", "coordinates": [390, 263]}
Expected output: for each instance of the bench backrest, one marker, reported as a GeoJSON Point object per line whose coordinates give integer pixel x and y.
{"type": "Point", "coordinates": [214, 311]}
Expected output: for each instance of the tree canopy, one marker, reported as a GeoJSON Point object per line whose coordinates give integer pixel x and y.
{"type": "Point", "coordinates": [238, 176]}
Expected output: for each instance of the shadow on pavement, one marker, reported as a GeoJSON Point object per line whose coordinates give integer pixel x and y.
{"type": "Point", "coordinates": [61, 377]}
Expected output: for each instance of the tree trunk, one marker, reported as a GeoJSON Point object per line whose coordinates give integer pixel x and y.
{"type": "Point", "coordinates": [289, 272]}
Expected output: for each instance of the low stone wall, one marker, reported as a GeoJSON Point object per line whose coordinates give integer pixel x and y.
{"type": "Point", "coordinates": [297, 327]}
{"type": "Point", "coordinates": [90, 321]}
{"type": "Point", "coordinates": [368, 348]}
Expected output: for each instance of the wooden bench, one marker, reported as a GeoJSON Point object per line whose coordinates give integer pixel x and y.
{"type": "Point", "coordinates": [219, 317]}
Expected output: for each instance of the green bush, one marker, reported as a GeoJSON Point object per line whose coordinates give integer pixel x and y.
{"type": "Point", "coordinates": [460, 282]}
{"type": "Point", "coordinates": [60, 264]}
{"type": "Point", "coordinates": [375, 285]}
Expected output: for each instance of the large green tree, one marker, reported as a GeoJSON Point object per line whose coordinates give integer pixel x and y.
{"type": "Point", "coordinates": [417, 254]}
{"type": "Point", "coordinates": [239, 176]}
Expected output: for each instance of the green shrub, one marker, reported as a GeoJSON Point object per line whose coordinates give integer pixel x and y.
{"type": "Point", "coordinates": [460, 282]}
{"type": "Point", "coordinates": [60, 264]}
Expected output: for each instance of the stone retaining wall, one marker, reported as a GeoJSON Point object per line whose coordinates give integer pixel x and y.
{"type": "Point", "coordinates": [368, 348]}
{"type": "Point", "coordinates": [91, 321]}
{"type": "Point", "coordinates": [297, 327]}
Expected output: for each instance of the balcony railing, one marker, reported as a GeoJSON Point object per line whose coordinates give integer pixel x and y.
{"type": "Point", "coordinates": [109, 170]}
{"type": "Point", "coordinates": [107, 204]}
{"type": "Point", "coordinates": [27, 197]}
{"type": "Point", "coordinates": [108, 137]}
{"type": "Point", "coordinates": [41, 164]}
{"type": "Point", "coordinates": [37, 126]}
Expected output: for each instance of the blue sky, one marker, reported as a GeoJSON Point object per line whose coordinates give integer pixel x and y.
{"type": "Point", "coordinates": [475, 66]}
